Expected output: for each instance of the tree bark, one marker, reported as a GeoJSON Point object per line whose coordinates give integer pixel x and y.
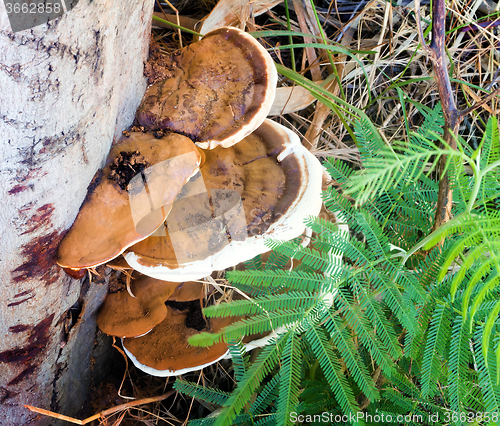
{"type": "Point", "coordinates": [67, 90]}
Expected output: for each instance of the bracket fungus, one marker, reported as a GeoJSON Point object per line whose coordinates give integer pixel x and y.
{"type": "Point", "coordinates": [156, 322]}
{"type": "Point", "coordinates": [221, 89]}
{"type": "Point", "coordinates": [274, 184]}
{"type": "Point", "coordinates": [130, 198]}
{"type": "Point", "coordinates": [178, 212]}
{"type": "Point", "coordinates": [124, 315]}
{"type": "Point", "coordinates": [165, 350]}
{"type": "Point", "coordinates": [138, 310]}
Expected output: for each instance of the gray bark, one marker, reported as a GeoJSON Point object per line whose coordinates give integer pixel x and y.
{"type": "Point", "coordinates": [67, 90]}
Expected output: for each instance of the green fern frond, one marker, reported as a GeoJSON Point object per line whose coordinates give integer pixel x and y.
{"type": "Point", "coordinates": [293, 280]}
{"type": "Point", "coordinates": [376, 240]}
{"type": "Point", "coordinates": [489, 144]}
{"type": "Point", "coordinates": [337, 202]}
{"type": "Point", "coordinates": [266, 396]}
{"type": "Point", "coordinates": [489, 284]}
{"type": "Point", "coordinates": [481, 233]}
{"type": "Point", "coordinates": [405, 385]}
{"type": "Point", "coordinates": [384, 329]}
{"type": "Point", "coordinates": [254, 264]}
{"type": "Point", "coordinates": [267, 420]}
{"type": "Point", "coordinates": [239, 358]}
{"type": "Point", "coordinates": [293, 300]}
{"type": "Point", "coordinates": [314, 258]}
{"type": "Point", "coordinates": [370, 143]}
{"type": "Point", "coordinates": [459, 358]}
{"type": "Point", "coordinates": [276, 261]}
{"type": "Point", "coordinates": [486, 374]}
{"type": "Point", "coordinates": [291, 362]}
{"type": "Point", "coordinates": [401, 404]}
{"type": "Point", "coordinates": [205, 393]}
{"type": "Point", "coordinates": [357, 319]}
{"type": "Point", "coordinates": [356, 367]}
{"type": "Point", "coordinates": [331, 369]}
{"type": "Point", "coordinates": [257, 324]}
{"type": "Point", "coordinates": [437, 338]}
{"type": "Point", "coordinates": [432, 125]}
{"type": "Point", "coordinates": [339, 170]}
{"type": "Point", "coordinates": [266, 361]}
{"type": "Point", "coordinates": [490, 322]}
{"type": "Point", "coordinates": [399, 169]}
{"type": "Point", "coordinates": [317, 397]}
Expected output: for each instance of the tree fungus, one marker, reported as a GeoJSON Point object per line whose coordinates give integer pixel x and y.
{"type": "Point", "coordinates": [272, 184]}
{"type": "Point", "coordinates": [178, 213]}
{"type": "Point", "coordinates": [130, 198]}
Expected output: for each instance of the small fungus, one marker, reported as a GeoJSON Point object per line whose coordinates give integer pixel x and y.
{"type": "Point", "coordinates": [165, 350]}
{"type": "Point", "coordinates": [124, 315]}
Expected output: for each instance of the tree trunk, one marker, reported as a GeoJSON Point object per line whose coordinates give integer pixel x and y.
{"type": "Point", "coordinates": [67, 90]}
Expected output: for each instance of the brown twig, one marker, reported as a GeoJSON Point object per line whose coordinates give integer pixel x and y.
{"type": "Point", "coordinates": [479, 104]}
{"type": "Point", "coordinates": [102, 414]}
{"type": "Point", "coordinates": [452, 116]}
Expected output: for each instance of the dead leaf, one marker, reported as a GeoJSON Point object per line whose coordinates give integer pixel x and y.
{"type": "Point", "coordinates": [291, 99]}
{"type": "Point", "coordinates": [235, 12]}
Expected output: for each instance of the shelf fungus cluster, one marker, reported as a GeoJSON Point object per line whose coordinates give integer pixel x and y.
{"type": "Point", "coordinates": [176, 211]}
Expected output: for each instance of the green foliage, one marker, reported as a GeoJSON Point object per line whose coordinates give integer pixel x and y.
{"type": "Point", "coordinates": [390, 317]}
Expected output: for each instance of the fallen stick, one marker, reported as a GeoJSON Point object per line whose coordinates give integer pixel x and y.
{"type": "Point", "coordinates": [102, 414]}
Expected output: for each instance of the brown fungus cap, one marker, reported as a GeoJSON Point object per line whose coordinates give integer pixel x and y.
{"type": "Point", "coordinates": [278, 185]}
{"type": "Point", "coordinates": [221, 90]}
{"type": "Point", "coordinates": [187, 291]}
{"type": "Point", "coordinates": [130, 199]}
{"type": "Point", "coordinates": [125, 316]}
{"type": "Point", "coordinates": [165, 350]}
{"type": "Point", "coordinates": [250, 168]}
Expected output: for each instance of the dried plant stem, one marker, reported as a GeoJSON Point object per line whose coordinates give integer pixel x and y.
{"type": "Point", "coordinates": [102, 414]}
{"type": "Point", "coordinates": [452, 116]}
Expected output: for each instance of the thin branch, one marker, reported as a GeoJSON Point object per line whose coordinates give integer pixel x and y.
{"type": "Point", "coordinates": [452, 116]}
{"type": "Point", "coordinates": [102, 414]}
{"type": "Point", "coordinates": [479, 104]}
{"type": "Point", "coordinates": [421, 35]}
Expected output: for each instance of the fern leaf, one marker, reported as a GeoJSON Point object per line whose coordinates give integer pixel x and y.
{"type": "Point", "coordinates": [437, 337]}
{"type": "Point", "coordinates": [254, 264]}
{"type": "Point", "coordinates": [395, 170]}
{"type": "Point", "coordinates": [289, 379]}
{"type": "Point", "coordinates": [370, 142]}
{"type": "Point", "coordinates": [356, 319]}
{"type": "Point", "coordinates": [487, 331]}
{"type": "Point", "coordinates": [266, 396]}
{"type": "Point", "coordinates": [205, 393]}
{"type": "Point", "coordinates": [356, 367]}
{"type": "Point", "coordinates": [262, 304]}
{"type": "Point", "coordinates": [255, 325]}
{"type": "Point", "coordinates": [458, 366]}
{"type": "Point", "coordinates": [263, 365]}
{"type": "Point", "coordinates": [294, 280]}
{"type": "Point", "coordinates": [331, 369]}
{"type": "Point", "coordinates": [376, 316]}
{"type": "Point", "coordinates": [487, 376]}
{"type": "Point", "coordinates": [240, 360]}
